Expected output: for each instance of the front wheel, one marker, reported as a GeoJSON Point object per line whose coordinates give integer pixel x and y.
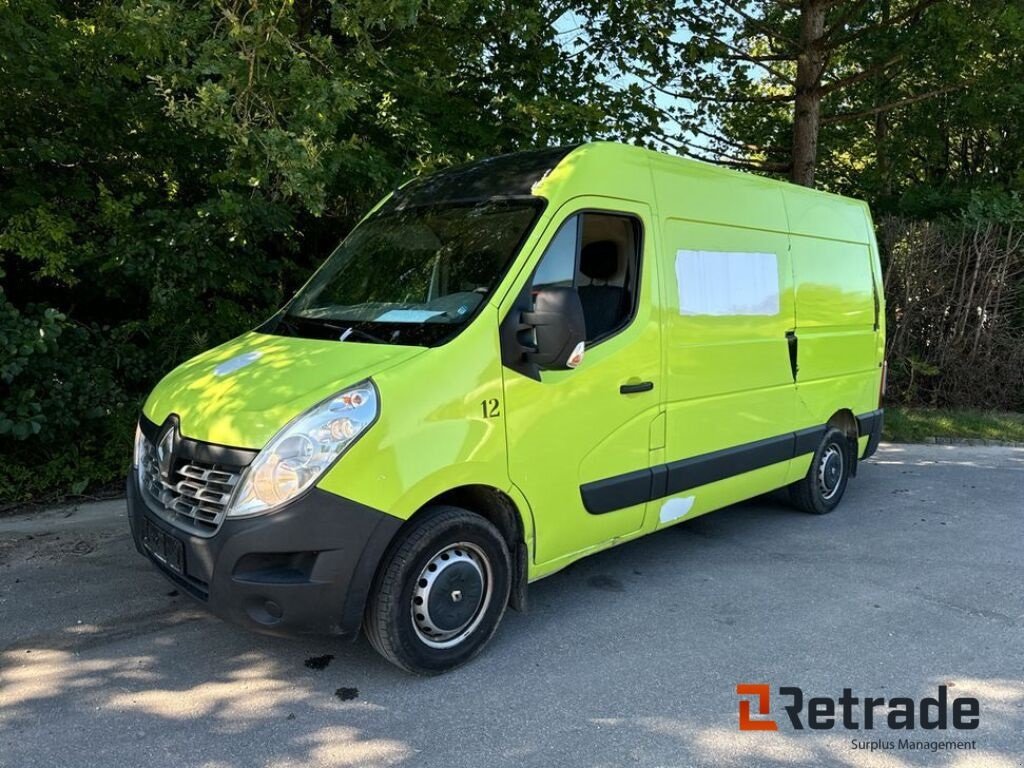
{"type": "Point", "coordinates": [822, 488]}
{"type": "Point", "coordinates": [440, 592]}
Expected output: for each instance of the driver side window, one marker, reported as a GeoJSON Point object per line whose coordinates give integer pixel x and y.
{"type": "Point", "coordinates": [598, 254]}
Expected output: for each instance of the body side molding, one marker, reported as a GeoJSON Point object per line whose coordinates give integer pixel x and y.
{"type": "Point", "coordinates": [652, 483]}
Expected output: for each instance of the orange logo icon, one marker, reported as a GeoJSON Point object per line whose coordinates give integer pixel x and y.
{"type": "Point", "coordinates": [763, 707]}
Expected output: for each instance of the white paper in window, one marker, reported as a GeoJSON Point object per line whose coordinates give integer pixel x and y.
{"type": "Point", "coordinates": [727, 283]}
{"type": "Point", "coordinates": [407, 316]}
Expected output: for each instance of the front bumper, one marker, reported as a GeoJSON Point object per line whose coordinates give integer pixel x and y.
{"type": "Point", "coordinates": [306, 568]}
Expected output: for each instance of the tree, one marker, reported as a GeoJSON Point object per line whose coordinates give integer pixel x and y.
{"type": "Point", "coordinates": [730, 69]}
{"type": "Point", "coordinates": [171, 170]}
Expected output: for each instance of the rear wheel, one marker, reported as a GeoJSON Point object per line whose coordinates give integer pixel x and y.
{"type": "Point", "coordinates": [440, 593]}
{"type": "Point", "coordinates": [821, 490]}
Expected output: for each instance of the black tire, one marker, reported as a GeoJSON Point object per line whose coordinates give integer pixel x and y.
{"type": "Point", "coordinates": [823, 487]}
{"type": "Point", "coordinates": [468, 554]}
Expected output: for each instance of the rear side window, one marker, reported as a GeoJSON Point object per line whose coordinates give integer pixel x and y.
{"type": "Point", "coordinates": [598, 254]}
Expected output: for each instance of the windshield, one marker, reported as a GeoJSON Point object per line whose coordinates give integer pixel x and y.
{"type": "Point", "coordinates": [413, 276]}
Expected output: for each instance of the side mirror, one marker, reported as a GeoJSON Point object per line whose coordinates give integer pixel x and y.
{"type": "Point", "coordinates": [559, 326]}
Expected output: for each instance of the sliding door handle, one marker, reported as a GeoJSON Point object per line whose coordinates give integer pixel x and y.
{"type": "Point", "coordinates": [632, 389]}
{"type": "Point", "coordinates": [794, 349]}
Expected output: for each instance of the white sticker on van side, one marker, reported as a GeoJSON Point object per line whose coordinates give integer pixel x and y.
{"type": "Point", "coordinates": [727, 283]}
{"type": "Point", "coordinates": [673, 509]}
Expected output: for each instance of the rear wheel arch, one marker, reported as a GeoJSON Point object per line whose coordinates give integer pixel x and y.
{"type": "Point", "coordinates": [845, 421]}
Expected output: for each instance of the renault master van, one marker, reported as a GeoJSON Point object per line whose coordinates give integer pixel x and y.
{"type": "Point", "coordinates": [504, 368]}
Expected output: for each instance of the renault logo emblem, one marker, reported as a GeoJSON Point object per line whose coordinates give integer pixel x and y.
{"type": "Point", "coordinates": [165, 453]}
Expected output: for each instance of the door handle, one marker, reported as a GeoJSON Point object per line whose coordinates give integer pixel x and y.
{"type": "Point", "coordinates": [792, 342]}
{"type": "Point", "coordinates": [632, 389]}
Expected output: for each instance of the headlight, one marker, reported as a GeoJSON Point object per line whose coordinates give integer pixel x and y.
{"type": "Point", "coordinates": [297, 455]}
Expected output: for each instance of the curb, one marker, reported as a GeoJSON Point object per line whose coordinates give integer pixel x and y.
{"type": "Point", "coordinates": [976, 441]}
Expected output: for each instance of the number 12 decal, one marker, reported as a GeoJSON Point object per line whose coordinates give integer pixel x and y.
{"type": "Point", "coordinates": [491, 408]}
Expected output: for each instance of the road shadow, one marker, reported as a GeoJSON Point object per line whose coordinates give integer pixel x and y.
{"type": "Point", "coordinates": [629, 657]}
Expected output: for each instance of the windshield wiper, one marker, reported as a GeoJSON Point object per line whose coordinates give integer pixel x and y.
{"type": "Point", "coordinates": [344, 330]}
{"type": "Point", "coordinates": [353, 331]}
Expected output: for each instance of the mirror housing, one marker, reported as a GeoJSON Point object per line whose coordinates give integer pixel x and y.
{"type": "Point", "coordinates": [559, 326]}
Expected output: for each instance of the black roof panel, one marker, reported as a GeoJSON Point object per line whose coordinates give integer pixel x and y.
{"type": "Point", "coordinates": [511, 175]}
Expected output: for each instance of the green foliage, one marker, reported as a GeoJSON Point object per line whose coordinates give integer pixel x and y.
{"type": "Point", "coordinates": [921, 110]}
{"type": "Point", "coordinates": [171, 170]}
{"type": "Point", "coordinates": [95, 460]}
{"type": "Point", "coordinates": [24, 340]}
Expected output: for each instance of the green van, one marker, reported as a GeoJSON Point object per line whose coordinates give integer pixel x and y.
{"type": "Point", "coordinates": [506, 367]}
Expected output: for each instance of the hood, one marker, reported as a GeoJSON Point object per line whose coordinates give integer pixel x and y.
{"type": "Point", "coordinates": [242, 392]}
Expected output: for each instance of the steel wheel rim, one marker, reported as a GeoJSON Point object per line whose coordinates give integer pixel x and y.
{"type": "Point", "coordinates": [430, 595]}
{"type": "Point", "coordinates": [830, 471]}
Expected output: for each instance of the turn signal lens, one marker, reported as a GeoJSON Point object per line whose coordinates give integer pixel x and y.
{"type": "Point", "coordinates": [140, 445]}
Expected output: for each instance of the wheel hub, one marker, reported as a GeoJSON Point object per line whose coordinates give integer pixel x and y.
{"type": "Point", "coordinates": [451, 595]}
{"type": "Point", "coordinates": [830, 470]}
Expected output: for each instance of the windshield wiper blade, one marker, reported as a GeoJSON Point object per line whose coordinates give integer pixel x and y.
{"type": "Point", "coordinates": [346, 329]}
{"type": "Point", "coordinates": [353, 331]}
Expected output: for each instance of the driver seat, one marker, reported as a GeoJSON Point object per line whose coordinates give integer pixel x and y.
{"type": "Point", "coordinates": [602, 304]}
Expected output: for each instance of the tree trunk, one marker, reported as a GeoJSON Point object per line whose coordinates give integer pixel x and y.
{"type": "Point", "coordinates": [807, 109]}
{"type": "Point", "coordinates": [304, 13]}
{"type": "Point", "coordinates": [882, 125]}
{"type": "Point", "coordinates": [882, 153]}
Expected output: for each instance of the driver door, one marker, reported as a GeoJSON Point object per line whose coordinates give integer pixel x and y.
{"type": "Point", "coordinates": [579, 440]}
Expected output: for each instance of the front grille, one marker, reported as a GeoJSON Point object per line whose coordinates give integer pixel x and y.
{"type": "Point", "coordinates": [195, 494]}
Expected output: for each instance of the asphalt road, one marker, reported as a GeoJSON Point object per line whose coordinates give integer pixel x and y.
{"type": "Point", "coordinates": [630, 657]}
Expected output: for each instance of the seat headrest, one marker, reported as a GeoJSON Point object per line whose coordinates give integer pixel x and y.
{"type": "Point", "coordinates": [599, 260]}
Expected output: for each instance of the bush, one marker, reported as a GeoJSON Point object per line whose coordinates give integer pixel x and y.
{"type": "Point", "coordinates": [65, 420]}
{"type": "Point", "coordinates": [955, 310]}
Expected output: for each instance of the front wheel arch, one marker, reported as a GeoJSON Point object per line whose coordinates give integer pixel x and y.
{"type": "Point", "coordinates": [498, 508]}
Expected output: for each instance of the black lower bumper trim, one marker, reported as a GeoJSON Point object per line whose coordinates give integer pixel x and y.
{"type": "Point", "coordinates": [306, 568]}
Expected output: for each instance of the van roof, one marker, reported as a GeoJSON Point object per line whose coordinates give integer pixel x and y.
{"type": "Point", "coordinates": [694, 190]}
{"type": "Point", "coordinates": [681, 164]}
{"type": "Point", "coordinates": [683, 187]}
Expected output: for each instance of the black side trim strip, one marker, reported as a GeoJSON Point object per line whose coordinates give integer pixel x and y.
{"type": "Point", "coordinates": [659, 481]}
{"type": "Point", "coordinates": [807, 440]}
{"type": "Point", "coordinates": [643, 485]}
{"type": "Point", "coordinates": [617, 492]}
{"type": "Point", "coordinates": [711, 467]}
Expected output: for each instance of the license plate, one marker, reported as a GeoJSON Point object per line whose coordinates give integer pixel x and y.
{"type": "Point", "coordinates": [165, 548]}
